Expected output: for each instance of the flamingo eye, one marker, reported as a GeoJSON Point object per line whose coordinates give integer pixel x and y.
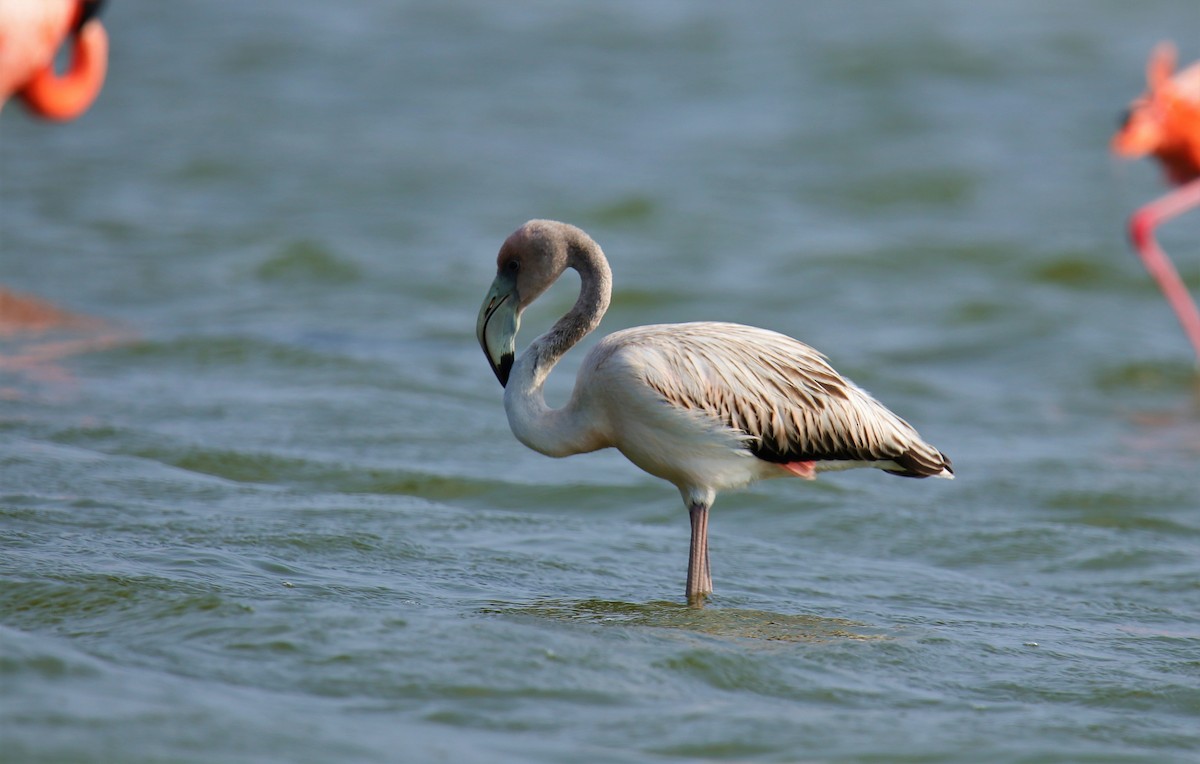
{"type": "Point", "coordinates": [513, 266]}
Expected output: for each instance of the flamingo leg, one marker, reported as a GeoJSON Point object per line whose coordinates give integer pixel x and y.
{"type": "Point", "coordinates": [1141, 231]}
{"type": "Point", "coordinates": [699, 579]}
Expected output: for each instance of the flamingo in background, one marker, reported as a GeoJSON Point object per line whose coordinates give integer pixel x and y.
{"type": "Point", "coordinates": [31, 32]}
{"type": "Point", "coordinates": [1164, 122]}
{"type": "Point", "coordinates": [705, 406]}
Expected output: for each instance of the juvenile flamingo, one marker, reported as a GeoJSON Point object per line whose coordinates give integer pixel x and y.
{"type": "Point", "coordinates": [1164, 122]}
{"type": "Point", "coordinates": [705, 406]}
{"type": "Point", "coordinates": [31, 32]}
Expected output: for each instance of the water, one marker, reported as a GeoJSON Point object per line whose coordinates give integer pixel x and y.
{"type": "Point", "coordinates": [270, 509]}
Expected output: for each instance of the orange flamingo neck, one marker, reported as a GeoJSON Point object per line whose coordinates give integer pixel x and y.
{"type": "Point", "coordinates": [68, 95]}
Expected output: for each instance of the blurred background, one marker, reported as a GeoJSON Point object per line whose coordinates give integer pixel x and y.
{"type": "Point", "coordinates": [264, 504]}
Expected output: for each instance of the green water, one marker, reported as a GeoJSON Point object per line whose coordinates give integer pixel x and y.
{"type": "Point", "coordinates": [272, 510]}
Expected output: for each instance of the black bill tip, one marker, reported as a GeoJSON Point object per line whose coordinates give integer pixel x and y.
{"type": "Point", "coordinates": [90, 10]}
{"type": "Point", "coordinates": [504, 369]}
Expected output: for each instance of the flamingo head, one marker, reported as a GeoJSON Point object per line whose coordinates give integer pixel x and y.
{"type": "Point", "coordinates": [1164, 122]}
{"type": "Point", "coordinates": [68, 95]}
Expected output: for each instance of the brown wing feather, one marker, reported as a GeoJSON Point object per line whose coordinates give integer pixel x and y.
{"type": "Point", "coordinates": [791, 404]}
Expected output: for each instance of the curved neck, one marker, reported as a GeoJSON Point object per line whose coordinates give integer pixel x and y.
{"type": "Point", "coordinates": [559, 432]}
{"type": "Point", "coordinates": [595, 291]}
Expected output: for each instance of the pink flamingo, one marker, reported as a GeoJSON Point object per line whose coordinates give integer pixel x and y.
{"type": "Point", "coordinates": [31, 32]}
{"type": "Point", "coordinates": [1164, 122]}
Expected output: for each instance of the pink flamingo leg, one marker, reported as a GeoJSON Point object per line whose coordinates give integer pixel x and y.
{"type": "Point", "coordinates": [1141, 231]}
{"type": "Point", "coordinates": [699, 579]}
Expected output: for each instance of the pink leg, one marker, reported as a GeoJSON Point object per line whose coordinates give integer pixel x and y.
{"type": "Point", "coordinates": [1141, 231]}
{"type": "Point", "coordinates": [806, 470]}
{"type": "Point", "coordinates": [699, 579]}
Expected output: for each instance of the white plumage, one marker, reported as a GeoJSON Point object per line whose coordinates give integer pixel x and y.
{"type": "Point", "coordinates": [706, 406]}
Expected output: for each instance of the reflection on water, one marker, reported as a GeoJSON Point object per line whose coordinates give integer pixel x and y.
{"type": "Point", "coordinates": [727, 623]}
{"type": "Point", "coordinates": [37, 336]}
{"type": "Point", "coordinates": [1159, 405]}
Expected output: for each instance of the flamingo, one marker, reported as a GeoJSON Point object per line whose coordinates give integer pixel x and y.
{"type": "Point", "coordinates": [706, 406]}
{"type": "Point", "coordinates": [31, 31]}
{"type": "Point", "coordinates": [1164, 122]}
